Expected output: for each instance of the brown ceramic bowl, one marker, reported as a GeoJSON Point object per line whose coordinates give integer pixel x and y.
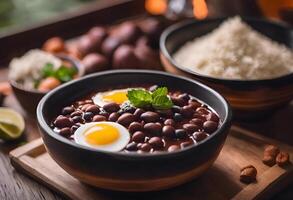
{"type": "Point", "coordinates": [29, 99]}
{"type": "Point", "coordinates": [126, 171]}
{"type": "Point", "coordinates": [248, 98]}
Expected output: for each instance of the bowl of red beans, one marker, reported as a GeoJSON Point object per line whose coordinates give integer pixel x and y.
{"type": "Point", "coordinates": [130, 130]}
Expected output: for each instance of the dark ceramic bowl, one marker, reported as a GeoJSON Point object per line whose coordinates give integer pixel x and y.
{"type": "Point", "coordinates": [131, 171]}
{"type": "Point", "coordinates": [248, 98]}
{"type": "Point", "coordinates": [29, 99]}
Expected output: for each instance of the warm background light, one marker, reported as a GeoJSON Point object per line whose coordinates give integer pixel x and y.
{"type": "Point", "coordinates": [156, 7]}
{"type": "Point", "coordinates": [200, 9]}
{"type": "Point", "coordinates": [272, 8]}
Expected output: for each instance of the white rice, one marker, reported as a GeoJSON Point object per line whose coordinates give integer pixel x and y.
{"type": "Point", "coordinates": [236, 51]}
{"type": "Point", "coordinates": [27, 68]}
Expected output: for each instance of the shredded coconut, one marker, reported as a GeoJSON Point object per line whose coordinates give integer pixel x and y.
{"type": "Point", "coordinates": [235, 51]}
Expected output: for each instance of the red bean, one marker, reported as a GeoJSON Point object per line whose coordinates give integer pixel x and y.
{"type": "Point", "coordinates": [138, 136]}
{"type": "Point", "coordinates": [187, 111]}
{"type": "Point", "coordinates": [170, 122]}
{"type": "Point", "coordinates": [199, 136]}
{"type": "Point", "coordinates": [173, 148]}
{"type": "Point", "coordinates": [88, 116]}
{"type": "Point", "coordinates": [150, 116]}
{"type": "Point", "coordinates": [156, 142]}
{"type": "Point", "coordinates": [93, 109]}
{"type": "Point", "coordinates": [99, 118]}
{"type": "Point", "coordinates": [62, 122]}
{"type": "Point", "coordinates": [113, 117]}
{"type": "Point", "coordinates": [76, 113]}
{"type": "Point", "coordinates": [111, 107]}
{"type": "Point", "coordinates": [185, 144]}
{"type": "Point", "coordinates": [126, 118]}
{"type": "Point", "coordinates": [180, 133]}
{"type": "Point", "coordinates": [210, 126]}
{"type": "Point", "coordinates": [197, 122]}
{"type": "Point", "coordinates": [135, 126]}
{"type": "Point", "coordinates": [131, 147]}
{"type": "Point", "coordinates": [168, 131]}
{"type": "Point", "coordinates": [67, 110]}
{"type": "Point", "coordinates": [65, 131]}
{"type": "Point", "coordinates": [190, 128]}
{"type": "Point", "coordinates": [213, 117]}
{"type": "Point", "coordinates": [145, 147]}
{"type": "Point", "coordinates": [153, 128]}
{"type": "Point", "coordinates": [138, 112]}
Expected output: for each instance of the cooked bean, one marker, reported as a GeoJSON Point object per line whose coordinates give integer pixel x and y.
{"type": "Point", "coordinates": [197, 122]}
{"type": "Point", "coordinates": [76, 119]}
{"type": "Point", "coordinates": [178, 101]}
{"type": "Point", "coordinates": [76, 113]}
{"type": "Point", "coordinates": [93, 108]}
{"type": "Point", "coordinates": [210, 126]}
{"type": "Point", "coordinates": [67, 110]}
{"type": "Point", "coordinates": [156, 142]}
{"type": "Point", "coordinates": [85, 106]}
{"type": "Point", "coordinates": [168, 131]}
{"type": "Point", "coordinates": [194, 104]}
{"type": "Point", "coordinates": [202, 110]}
{"type": "Point", "coordinates": [187, 111]}
{"type": "Point", "coordinates": [135, 126]}
{"type": "Point", "coordinates": [111, 107]}
{"type": "Point", "coordinates": [65, 131]}
{"type": "Point", "coordinates": [213, 117]}
{"type": "Point", "coordinates": [113, 117]}
{"type": "Point", "coordinates": [138, 136]}
{"type": "Point", "coordinates": [199, 136]}
{"type": "Point", "coordinates": [153, 128]}
{"type": "Point", "coordinates": [125, 119]}
{"type": "Point", "coordinates": [170, 122]}
{"type": "Point", "coordinates": [131, 147]}
{"type": "Point", "coordinates": [150, 116]}
{"type": "Point", "coordinates": [178, 117]}
{"type": "Point", "coordinates": [88, 116]}
{"type": "Point", "coordinates": [62, 122]}
{"type": "Point", "coordinates": [99, 118]}
{"type": "Point", "coordinates": [190, 128]}
{"type": "Point", "coordinates": [138, 112]}
{"type": "Point", "coordinates": [145, 147]}
{"type": "Point", "coordinates": [180, 133]}
{"type": "Point", "coordinates": [173, 148]}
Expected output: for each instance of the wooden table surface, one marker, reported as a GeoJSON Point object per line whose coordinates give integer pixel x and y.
{"type": "Point", "coordinates": [14, 185]}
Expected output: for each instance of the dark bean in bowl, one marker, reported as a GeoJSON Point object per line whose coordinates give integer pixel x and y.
{"type": "Point", "coordinates": [186, 123]}
{"type": "Point", "coordinates": [132, 171]}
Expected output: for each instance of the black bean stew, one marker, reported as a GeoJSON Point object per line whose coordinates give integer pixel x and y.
{"type": "Point", "coordinates": [188, 122]}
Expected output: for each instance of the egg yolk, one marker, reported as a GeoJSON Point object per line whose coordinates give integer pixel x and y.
{"type": "Point", "coordinates": [101, 134]}
{"type": "Point", "coordinates": [116, 96]}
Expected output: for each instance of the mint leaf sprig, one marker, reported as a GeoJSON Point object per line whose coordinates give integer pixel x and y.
{"type": "Point", "coordinates": [142, 98]}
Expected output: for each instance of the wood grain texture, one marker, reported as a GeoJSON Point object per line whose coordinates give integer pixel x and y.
{"type": "Point", "coordinates": [221, 181]}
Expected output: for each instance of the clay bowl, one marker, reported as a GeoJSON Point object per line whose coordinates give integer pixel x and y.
{"type": "Point", "coordinates": [131, 171]}
{"type": "Point", "coordinates": [249, 99]}
{"type": "Point", "coordinates": [29, 99]}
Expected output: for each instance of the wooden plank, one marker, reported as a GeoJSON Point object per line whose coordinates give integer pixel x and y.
{"type": "Point", "coordinates": [220, 182]}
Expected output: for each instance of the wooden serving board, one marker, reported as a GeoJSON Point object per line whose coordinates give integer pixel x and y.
{"type": "Point", "coordinates": [221, 181]}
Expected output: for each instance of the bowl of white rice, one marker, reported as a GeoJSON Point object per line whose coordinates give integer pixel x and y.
{"type": "Point", "coordinates": [248, 60]}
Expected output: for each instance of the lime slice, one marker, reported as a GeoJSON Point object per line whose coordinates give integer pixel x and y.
{"type": "Point", "coordinates": [11, 124]}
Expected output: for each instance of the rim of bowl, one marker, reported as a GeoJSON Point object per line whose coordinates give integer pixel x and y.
{"type": "Point", "coordinates": [76, 63]}
{"type": "Point", "coordinates": [226, 123]}
{"type": "Point", "coordinates": [181, 25]}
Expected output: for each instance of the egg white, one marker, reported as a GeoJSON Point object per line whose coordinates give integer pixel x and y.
{"type": "Point", "coordinates": [117, 145]}
{"type": "Point", "coordinates": [98, 98]}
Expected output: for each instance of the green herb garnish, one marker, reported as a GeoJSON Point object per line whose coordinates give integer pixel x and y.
{"type": "Point", "coordinates": [142, 98]}
{"type": "Point", "coordinates": [63, 73]}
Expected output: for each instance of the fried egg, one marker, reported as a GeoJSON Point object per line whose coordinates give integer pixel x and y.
{"type": "Point", "coordinates": [113, 96]}
{"type": "Point", "coordinates": [107, 136]}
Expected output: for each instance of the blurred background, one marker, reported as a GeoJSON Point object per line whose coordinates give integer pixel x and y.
{"type": "Point", "coordinates": [19, 13]}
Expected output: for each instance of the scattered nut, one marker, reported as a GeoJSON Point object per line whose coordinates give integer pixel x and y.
{"type": "Point", "coordinates": [248, 174]}
{"type": "Point", "coordinates": [270, 154]}
{"type": "Point", "coordinates": [282, 159]}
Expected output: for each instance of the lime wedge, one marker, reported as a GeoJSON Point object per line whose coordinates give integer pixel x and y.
{"type": "Point", "coordinates": [11, 124]}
